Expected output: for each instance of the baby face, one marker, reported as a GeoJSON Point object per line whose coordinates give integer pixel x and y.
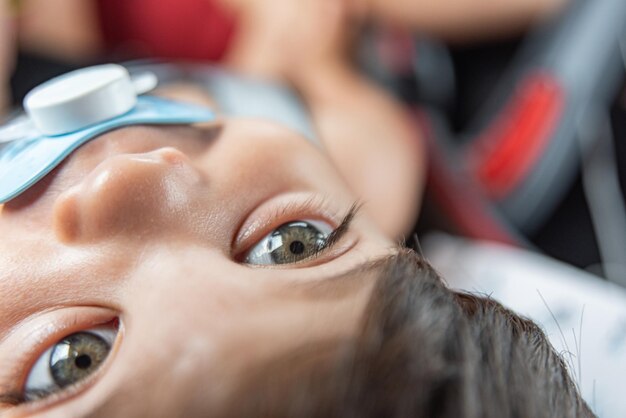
{"type": "Point", "coordinates": [156, 265]}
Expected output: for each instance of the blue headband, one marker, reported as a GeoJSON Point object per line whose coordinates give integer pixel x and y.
{"type": "Point", "coordinates": [70, 110]}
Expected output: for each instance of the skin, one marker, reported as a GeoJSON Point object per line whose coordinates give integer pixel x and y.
{"type": "Point", "coordinates": [464, 21]}
{"type": "Point", "coordinates": [149, 225]}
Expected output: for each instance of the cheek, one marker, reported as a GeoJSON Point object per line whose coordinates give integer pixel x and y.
{"type": "Point", "coordinates": [277, 166]}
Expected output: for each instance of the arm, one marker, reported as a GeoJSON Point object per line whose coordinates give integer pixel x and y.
{"type": "Point", "coordinates": [462, 19]}
{"type": "Point", "coordinates": [369, 139]}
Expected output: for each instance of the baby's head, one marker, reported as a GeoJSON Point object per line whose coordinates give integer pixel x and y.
{"type": "Point", "coordinates": [169, 270]}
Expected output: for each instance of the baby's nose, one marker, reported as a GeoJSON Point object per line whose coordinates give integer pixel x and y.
{"type": "Point", "coordinates": [130, 194]}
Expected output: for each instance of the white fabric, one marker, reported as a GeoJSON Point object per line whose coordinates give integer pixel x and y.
{"type": "Point", "coordinates": [583, 316]}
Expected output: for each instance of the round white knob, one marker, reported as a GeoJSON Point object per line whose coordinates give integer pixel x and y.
{"type": "Point", "coordinates": [81, 98]}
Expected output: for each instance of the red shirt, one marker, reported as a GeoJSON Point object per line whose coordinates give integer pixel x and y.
{"type": "Point", "coordinates": [170, 29]}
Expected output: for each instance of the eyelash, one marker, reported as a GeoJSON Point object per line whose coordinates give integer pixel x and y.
{"type": "Point", "coordinates": [337, 233]}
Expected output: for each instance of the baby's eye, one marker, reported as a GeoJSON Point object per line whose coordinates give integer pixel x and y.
{"type": "Point", "coordinates": [290, 243]}
{"type": "Point", "coordinates": [69, 361]}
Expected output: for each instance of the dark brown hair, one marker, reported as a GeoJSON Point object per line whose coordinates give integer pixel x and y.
{"type": "Point", "coordinates": [422, 351]}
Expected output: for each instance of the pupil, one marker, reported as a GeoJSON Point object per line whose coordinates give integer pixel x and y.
{"type": "Point", "coordinates": [296, 247]}
{"type": "Point", "coordinates": [75, 357]}
{"type": "Point", "coordinates": [83, 361]}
